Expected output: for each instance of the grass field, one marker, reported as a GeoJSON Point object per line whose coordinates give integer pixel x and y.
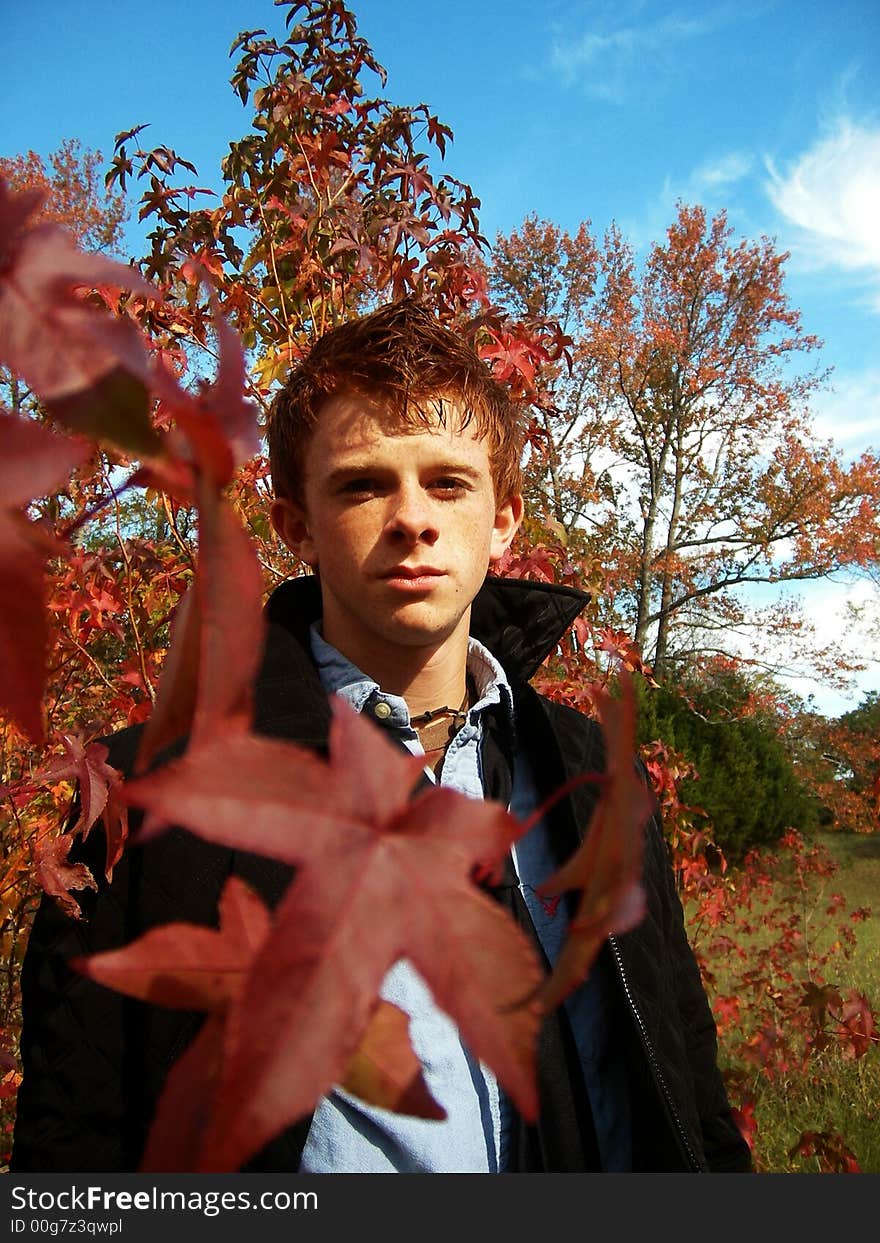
{"type": "Point", "coordinates": [839, 1096]}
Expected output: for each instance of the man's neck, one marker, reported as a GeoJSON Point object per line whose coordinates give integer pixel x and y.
{"type": "Point", "coordinates": [426, 677]}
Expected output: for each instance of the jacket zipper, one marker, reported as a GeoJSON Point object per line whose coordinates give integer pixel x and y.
{"type": "Point", "coordinates": [659, 1077]}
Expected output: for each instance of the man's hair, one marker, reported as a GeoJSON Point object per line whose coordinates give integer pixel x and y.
{"type": "Point", "coordinates": [404, 357]}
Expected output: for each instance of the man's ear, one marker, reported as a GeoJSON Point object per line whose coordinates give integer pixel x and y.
{"type": "Point", "coordinates": [507, 521]}
{"type": "Point", "coordinates": [291, 525]}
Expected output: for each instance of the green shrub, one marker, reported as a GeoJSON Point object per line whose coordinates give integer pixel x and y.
{"type": "Point", "coordinates": [748, 785]}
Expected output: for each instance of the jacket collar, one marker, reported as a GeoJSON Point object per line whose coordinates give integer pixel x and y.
{"type": "Point", "coordinates": [520, 622]}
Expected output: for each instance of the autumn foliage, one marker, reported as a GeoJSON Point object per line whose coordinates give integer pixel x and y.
{"type": "Point", "coordinates": [135, 556]}
{"type": "Point", "coordinates": [677, 446]}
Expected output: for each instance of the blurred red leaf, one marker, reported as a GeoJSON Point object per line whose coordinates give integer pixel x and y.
{"type": "Point", "coordinates": [362, 847]}
{"type": "Point", "coordinates": [217, 639]}
{"type": "Point", "coordinates": [857, 1029]}
{"type": "Point", "coordinates": [184, 965]}
{"type": "Point", "coordinates": [172, 714]}
{"type": "Point", "coordinates": [818, 997]}
{"type": "Point", "coordinates": [87, 366]}
{"type": "Point", "coordinates": [832, 1154]}
{"type": "Point", "coordinates": [217, 420]}
{"type": "Point", "coordinates": [189, 967]}
{"type": "Point", "coordinates": [744, 1117]}
{"type": "Point", "coordinates": [726, 1011]}
{"type": "Point", "coordinates": [607, 867]}
{"type": "Point", "coordinates": [178, 1128]}
{"type": "Point", "coordinates": [32, 461]}
{"type": "Point", "coordinates": [385, 1071]}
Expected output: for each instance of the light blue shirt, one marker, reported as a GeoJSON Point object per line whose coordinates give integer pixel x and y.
{"type": "Point", "coordinates": [349, 1136]}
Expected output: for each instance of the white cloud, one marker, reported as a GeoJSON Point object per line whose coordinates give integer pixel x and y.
{"type": "Point", "coordinates": [609, 55]}
{"type": "Point", "coordinates": [842, 614]}
{"type": "Point", "coordinates": [712, 184]}
{"type": "Point", "coordinates": [719, 174]}
{"type": "Point", "coordinates": [848, 412]}
{"type": "Point", "coordinates": [831, 196]}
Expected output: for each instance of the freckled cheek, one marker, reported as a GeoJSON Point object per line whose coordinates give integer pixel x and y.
{"type": "Point", "coordinates": [352, 536]}
{"type": "Point", "coordinates": [368, 522]}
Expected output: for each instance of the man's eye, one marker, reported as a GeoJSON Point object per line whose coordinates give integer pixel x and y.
{"type": "Point", "coordinates": [449, 485]}
{"type": "Point", "coordinates": [359, 486]}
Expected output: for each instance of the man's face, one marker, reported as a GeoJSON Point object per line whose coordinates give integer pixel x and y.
{"type": "Point", "coordinates": [401, 523]}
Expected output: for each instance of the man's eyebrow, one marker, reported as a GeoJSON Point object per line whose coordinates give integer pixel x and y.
{"type": "Point", "coordinates": [455, 468]}
{"type": "Point", "coordinates": [355, 469]}
{"type": "Point", "coordinates": [350, 468]}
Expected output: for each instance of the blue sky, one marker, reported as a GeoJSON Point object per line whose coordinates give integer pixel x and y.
{"type": "Point", "coordinates": [574, 109]}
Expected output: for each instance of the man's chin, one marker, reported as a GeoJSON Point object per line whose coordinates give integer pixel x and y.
{"type": "Point", "coordinates": [420, 635]}
{"type": "Point", "coordinates": [413, 626]}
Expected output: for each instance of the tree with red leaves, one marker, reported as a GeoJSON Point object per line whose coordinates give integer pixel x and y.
{"type": "Point", "coordinates": [73, 194]}
{"type": "Point", "coordinates": [680, 438]}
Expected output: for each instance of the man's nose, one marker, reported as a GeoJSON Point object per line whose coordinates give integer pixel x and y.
{"type": "Point", "coordinates": [413, 517]}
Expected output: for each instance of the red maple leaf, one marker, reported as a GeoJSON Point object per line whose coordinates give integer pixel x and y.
{"type": "Point", "coordinates": [32, 461]}
{"type": "Point", "coordinates": [833, 1156]}
{"type": "Point", "coordinates": [195, 968]}
{"type": "Point", "coordinates": [218, 633]}
{"type": "Point", "coordinates": [56, 875]}
{"type": "Point", "coordinates": [607, 866]}
{"type": "Point", "coordinates": [726, 1011]}
{"type": "Point", "coordinates": [87, 366]}
{"type": "Point", "coordinates": [98, 788]}
{"type": "Point", "coordinates": [857, 1029]}
{"type": "Point", "coordinates": [744, 1117]}
{"type": "Point", "coordinates": [511, 357]}
{"type": "Point", "coordinates": [185, 965]}
{"type": "Point", "coordinates": [380, 876]}
{"type": "Point", "coordinates": [817, 998]}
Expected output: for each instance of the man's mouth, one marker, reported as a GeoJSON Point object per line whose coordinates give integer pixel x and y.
{"type": "Point", "coordinates": [412, 577]}
{"type": "Point", "coordinates": [412, 571]}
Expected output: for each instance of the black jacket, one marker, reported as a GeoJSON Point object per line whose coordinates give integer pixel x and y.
{"type": "Point", "coordinates": [94, 1062]}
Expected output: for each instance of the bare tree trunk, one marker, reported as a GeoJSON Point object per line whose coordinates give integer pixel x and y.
{"type": "Point", "coordinates": [667, 590]}
{"type": "Point", "coordinates": [553, 472]}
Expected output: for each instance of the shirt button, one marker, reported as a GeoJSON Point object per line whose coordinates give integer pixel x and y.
{"type": "Point", "coordinates": [382, 710]}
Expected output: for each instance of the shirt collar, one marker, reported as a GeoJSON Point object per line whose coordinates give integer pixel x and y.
{"type": "Point", "coordinates": [340, 677]}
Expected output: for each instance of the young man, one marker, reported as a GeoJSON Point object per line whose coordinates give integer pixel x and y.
{"type": "Point", "coordinates": [396, 466]}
